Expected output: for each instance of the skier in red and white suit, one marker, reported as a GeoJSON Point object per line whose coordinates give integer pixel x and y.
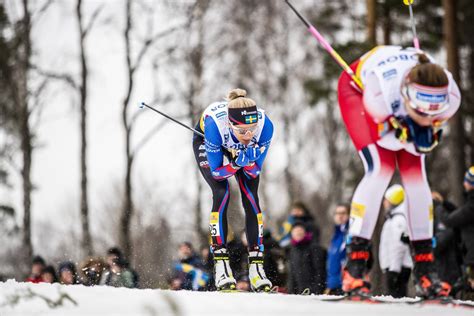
{"type": "Point", "coordinates": [397, 119]}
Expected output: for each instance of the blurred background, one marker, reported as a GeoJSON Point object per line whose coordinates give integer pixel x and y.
{"type": "Point", "coordinates": [82, 168]}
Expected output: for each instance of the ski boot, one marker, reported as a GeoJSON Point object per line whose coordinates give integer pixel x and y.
{"type": "Point", "coordinates": [427, 283]}
{"type": "Point", "coordinates": [224, 280]}
{"type": "Point", "coordinates": [354, 278]}
{"type": "Point", "coordinates": [258, 279]}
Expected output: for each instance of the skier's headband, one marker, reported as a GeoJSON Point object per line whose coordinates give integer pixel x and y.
{"type": "Point", "coordinates": [241, 116]}
{"type": "Point", "coordinates": [426, 100]}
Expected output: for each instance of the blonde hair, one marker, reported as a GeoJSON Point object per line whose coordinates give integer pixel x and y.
{"type": "Point", "coordinates": [427, 73]}
{"type": "Point", "coordinates": [237, 99]}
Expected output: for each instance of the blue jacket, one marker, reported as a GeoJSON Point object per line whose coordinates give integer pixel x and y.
{"type": "Point", "coordinates": [336, 256]}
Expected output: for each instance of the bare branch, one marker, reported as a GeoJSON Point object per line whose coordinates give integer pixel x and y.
{"type": "Point", "coordinates": [57, 76]}
{"type": "Point", "coordinates": [91, 21]}
{"type": "Point", "coordinates": [150, 41]}
{"type": "Point", "coordinates": [37, 15]}
{"type": "Point", "coordinates": [39, 106]}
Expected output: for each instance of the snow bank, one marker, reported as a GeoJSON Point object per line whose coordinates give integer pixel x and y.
{"type": "Point", "coordinates": [54, 299]}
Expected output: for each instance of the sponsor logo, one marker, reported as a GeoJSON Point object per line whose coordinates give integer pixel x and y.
{"type": "Point", "coordinates": [389, 74]}
{"type": "Point", "coordinates": [202, 147]}
{"type": "Point", "coordinates": [204, 154]}
{"type": "Point", "coordinates": [204, 164]}
{"type": "Point", "coordinates": [244, 112]}
{"type": "Point", "coordinates": [431, 98]}
{"type": "Point", "coordinates": [221, 114]}
{"type": "Point", "coordinates": [357, 210]}
{"type": "Point", "coordinates": [394, 58]}
{"type": "Point", "coordinates": [219, 106]}
{"type": "Point", "coordinates": [214, 217]}
{"type": "Point", "coordinates": [213, 150]}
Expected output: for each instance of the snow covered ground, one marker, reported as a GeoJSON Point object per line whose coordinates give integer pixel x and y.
{"type": "Point", "coordinates": [46, 299]}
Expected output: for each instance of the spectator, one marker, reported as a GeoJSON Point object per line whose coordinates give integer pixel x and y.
{"type": "Point", "coordinates": [119, 275]}
{"type": "Point", "coordinates": [299, 212]}
{"type": "Point", "coordinates": [337, 250]}
{"type": "Point", "coordinates": [67, 273]}
{"type": "Point", "coordinates": [48, 275]}
{"type": "Point", "coordinates": [92, 270]}
{"type": "Point", "coordinates": [188, 272]}
{"type": "Point", "coordinates": [448, 256]}
{"type": "Point", "coordinates": [465, 288]}
{"type": "Point", "coordinates": [37, 266]}
{"type": "Point", "coordinates": [463, 219]}
{"type": "Point", "coordinates": [394, 252]}
{"type": "Point", "coordinates": [307, 262]}
{"type": "Point", "coordinates": [114, 254]}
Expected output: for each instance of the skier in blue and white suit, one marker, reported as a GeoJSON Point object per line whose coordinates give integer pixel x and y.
{"type": "Point", "coordinates": [240, 131]}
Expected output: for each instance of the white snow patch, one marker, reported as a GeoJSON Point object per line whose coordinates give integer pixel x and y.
{"type": "Point", "coordinates": [32, 299]}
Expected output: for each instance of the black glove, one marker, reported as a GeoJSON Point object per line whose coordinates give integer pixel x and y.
{"type": "Point", "coordinates": [405, 238]}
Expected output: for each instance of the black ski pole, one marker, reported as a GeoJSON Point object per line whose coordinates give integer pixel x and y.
{"type": "Point", "coordinates": [142, 104]}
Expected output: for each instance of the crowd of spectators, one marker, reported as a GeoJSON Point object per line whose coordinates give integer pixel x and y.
{"type": "Point", "coordinates": [113, 270]}
{"type": "Point", "coordinates": [294, 259]}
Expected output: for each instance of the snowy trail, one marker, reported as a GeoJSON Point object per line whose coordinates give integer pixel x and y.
{"type": "Point", "coordinates": [102, 300]}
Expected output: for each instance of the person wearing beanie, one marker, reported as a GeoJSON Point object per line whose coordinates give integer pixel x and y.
{"type": "Point", "coordinates": [67, 273]}
{"type": "Point", "coordinates": [394, 252]}
{"type": "Point", "coordinates": [463, 219]}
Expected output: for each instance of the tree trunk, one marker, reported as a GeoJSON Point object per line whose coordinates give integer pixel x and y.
{"type": "Point", "coordinates": [26, 134]}
{"type": "Point", "coordinates": [372, 22]}
{"type": "Point", "coordinates": [386, 24]}
{"type": "Point", "coordinates": [86, 242]}
{"type": "Point", "coordinates": [196, 58]}
{"type": "Point", "coordinates": [457, 142]}
{"type": "Point", "coordinates": [128, 207]}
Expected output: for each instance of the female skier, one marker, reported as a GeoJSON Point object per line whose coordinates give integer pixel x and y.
{"type": "Point", "coordinates": [396, 121]}
{"type": "Point", "coordinates": [240, 131]}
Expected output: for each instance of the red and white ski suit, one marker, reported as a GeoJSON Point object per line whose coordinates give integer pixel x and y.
{"type": "Point", "coordinates": [382, 71]}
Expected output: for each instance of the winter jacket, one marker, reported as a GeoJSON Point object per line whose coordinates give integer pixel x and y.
{"type": "Point", "coordinates": [393, 253]}
{"type": "Point", "coordinates": [336, 256]}
{"type": "Point", "coordinates": [123, 279]}
{"type": "Point", "coordinates": [191, 273]}
{"type": "Point", "coordinates": [307, 266]}
{"type": "Point", "coordinates": [463, 218]}
{"type": "Point", "coordinates": [448, 257]}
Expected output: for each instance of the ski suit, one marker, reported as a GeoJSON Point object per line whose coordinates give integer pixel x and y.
{"type": "Point", "coordinates": [365, 115]}
{"type": "Point", "coordinates": [219, 141]}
